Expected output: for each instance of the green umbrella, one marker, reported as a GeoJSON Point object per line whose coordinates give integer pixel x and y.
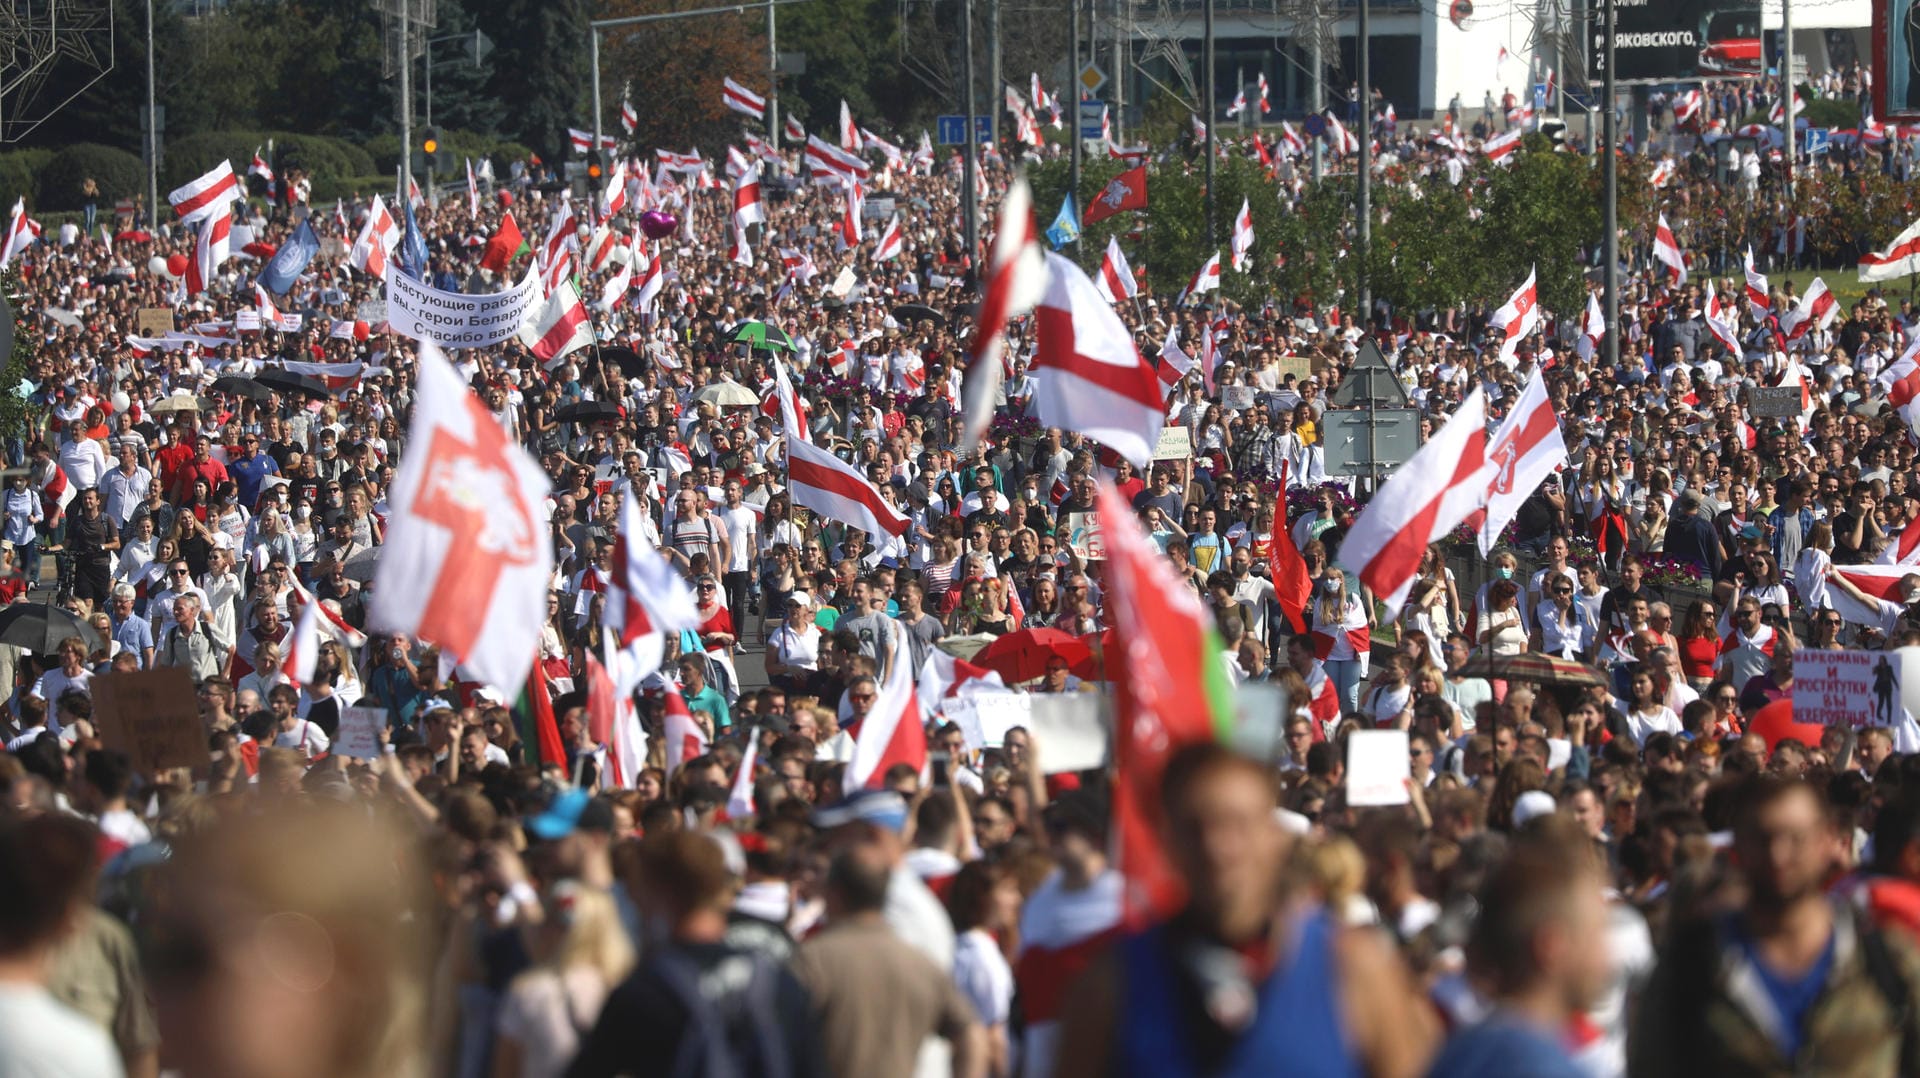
{"type": "Point", "coordinates": [761, 335]}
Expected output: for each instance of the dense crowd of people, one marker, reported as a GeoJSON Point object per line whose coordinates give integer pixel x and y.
{"type": "Point", "coordinates": [1638, 872]}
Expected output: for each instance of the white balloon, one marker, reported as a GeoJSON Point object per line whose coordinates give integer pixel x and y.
{"type": "Point", "coordinates": [120, 401]}
{"type": "Point", "coordinates": [158, 266]}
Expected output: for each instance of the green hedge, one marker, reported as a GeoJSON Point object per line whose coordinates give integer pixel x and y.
{"type": "Point", "coordinates": [192, 155]}
{"type": "Point", "coordinates": [328, 188]}
{"type": "Point", "coordinates": [116, 172]}
{"type": "Point", "coordinates": [17, 171]}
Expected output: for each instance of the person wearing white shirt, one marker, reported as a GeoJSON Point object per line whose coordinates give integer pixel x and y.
{"type": "Point", "coordinates": [125, 487]}
{"type": "Point", "coordinates": [84, 461]}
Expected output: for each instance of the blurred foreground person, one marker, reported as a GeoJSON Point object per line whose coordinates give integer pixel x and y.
{"type": "Point", "coordinates": [1244, 980]}
{"type": "Point", "coordinates": [1539, 953]}
{"type": "Point", "coordinates": [1793, 980]}
{"type": "Point", "coordinates": [47, 863]}
{"type": "Point", "coordinates": [288, 943]}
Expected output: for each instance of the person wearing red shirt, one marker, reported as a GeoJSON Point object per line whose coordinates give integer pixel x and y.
{"type": "Point", "coordinates": [202, 466]}
{"type": "Point", "coordinates": [177, 454]}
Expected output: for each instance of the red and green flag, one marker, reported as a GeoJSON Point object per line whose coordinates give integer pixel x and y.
{"type": "Point", "coordinates": [1170, 690]}
{"type": "Point", "coordinates": [533, 717]}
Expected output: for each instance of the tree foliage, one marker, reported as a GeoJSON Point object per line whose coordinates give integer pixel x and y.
{"type": "Point", "coordinates": [674, 71]}
{"type": "Point", "coordinates": [540, 70]}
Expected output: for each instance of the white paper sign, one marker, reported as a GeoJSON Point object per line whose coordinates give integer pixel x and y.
{"type": "Point", "coordinates": [994, 713]}
{"type": "Point", "coordinates": [1851, 688]}
{"type": "Point", "coordinates": [358, 737]}
{"type": "Point", "coordinates": [247, 321]}
{"type": "Point", "coordinates": [1378, 767]}
{"type": "Point", "coordinates": [291, 322]}
{"type": "Point", "coordinates": [458, 319]}
{"type": "Point", "coordinates": [1069, 730]}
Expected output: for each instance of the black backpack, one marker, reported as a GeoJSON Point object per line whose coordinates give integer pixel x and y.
{"type": "Point", "coordinates": [735, 1036]}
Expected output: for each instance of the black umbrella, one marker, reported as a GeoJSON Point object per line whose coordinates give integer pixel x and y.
{"type": "Point", "coordinates": [289, 382]}
{"type": "Point", "coordinates": [39, 628]}
{"type": "Point", "coordinates": [910, 313]}
{"type": "Point", "coordinates": [629, 361]}
{"type": "Point", "coordinates": [240, 385]}
{"type": "Point", "coordinates": [588, 412]}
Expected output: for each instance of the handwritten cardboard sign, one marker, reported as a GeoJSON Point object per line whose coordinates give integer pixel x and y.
{"type": "Point", "coordinates": [154, 717]}
{"type": "Point", "coordinates": [358, 736]}
{"type": "Point", "coordinates": [153, 321]}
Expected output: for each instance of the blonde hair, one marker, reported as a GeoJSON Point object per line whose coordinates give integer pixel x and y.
{"type": "Point", "coordinates": [590, 933]}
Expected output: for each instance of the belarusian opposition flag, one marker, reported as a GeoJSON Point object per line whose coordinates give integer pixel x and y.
{"type": "Point", "coordinates": [207, 196]}
{"type": "Point", "coordinates": [647, 594]}
{"type": "Point", "coordinates": [1170, 689]}
{"type": "Point", "coordinates": [1207, 279]}
{"type": "Point", "coordinates": [685, 739]}
{"type": "Point", "coordinates": [823, 483]}
{"type": "Point", "coordinates": [1900, 259]}
{"type": "Point", "coordinates": [746, 198]}
{"type": "Point", "coordinates": [1666, 251]}
{"type": "Point", "coordinates": [891, 241]}
{"type": "Point", "coordinates": [1816, 310]}
{"type": "Point", "coordinates": [467, 562]}
{"type": "Point", "coordinates": [560, 326]}
{"type": "Point", "coordinates": [1759, 299]}
{"type": "Point", "coordinates": [1088, 376]}
{"type": "Point", "coordinates": [21, 232]}
{"type": "Point", "coordinates": [303, 646]}
{"type": "Point", "coordinates": [1524, 451]}
{"type": "Point", "coordinates": [1116, 277]}
{"type": "Point", "coordinates": [210, 251]}
{"type": "Point", "coordinates": [1242, 238]}
{"type": "Point", "coordinates": [894, 732]}
{"type": "Point", "coordinates": [1593, 329]}
{"type": "Point", "coordinates": [1016, 279]}
{"type": "Point", "coordinates": [1444, 482]}
{"type": "Point", "coordinates": [742, 100]}
{"type": "Point", "coordinates": [1516, 318]}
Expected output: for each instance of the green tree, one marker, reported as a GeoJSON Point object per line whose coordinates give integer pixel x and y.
{"type": "Point", "coordinates": [1539, 210]}
{"type": "Point", "coordinates": [540, 69]}
{"type": "Point", "coordinates": [460, 96]}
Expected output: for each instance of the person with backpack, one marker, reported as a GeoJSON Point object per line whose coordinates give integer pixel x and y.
{"type": "Point", "coordinates": [1795, 981]}
{"type": "Point", "coordinates": [191, 641]}
{"type": "Point", "coordinates": [698, 1007]}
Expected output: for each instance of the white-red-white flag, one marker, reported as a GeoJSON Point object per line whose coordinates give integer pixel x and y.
{"type": "Point", "coordinates": [787, 407]}
{"type": "Point", "coordinates": [740, 797]}
{"type": "Point", "coordinates": [1523, 452]}
{"type": "Point", "coordinates": [467, 563]}
{"type": "Point", "coordinates": [473, 191]}
{"type": "Point", "coordinates": [207, 196]}
{"type": "Point", "coordinates": [1174, 360]}
{"type": "Point", "coordinates": [1905, 548]}
{"type": "Point", "coordinates": [894, 732]}
{"type": "Point", "coordinates": [303, 646]}
{"type": "Point", "coordinates": [259, 167]}
{"type": "Point", "coordinates": [559, 327]}
{"type": "Point", "coordinates": [742, 100]}
{"type": "Point", "coordinates": [21, 232]}
{"type": "Point", "coordinates": [373, 252]}
{"type": "Point", "coordinates": [629, 117]}
{"type": "Point", "coordinates": [1901, 383]}
{"type": "Point", "coordinates": [794, 129]}
{"type": "Point", "coordinates": [746, 198]}
{"type": "Point", "coordinates": [211, 249]}
{"type": "Point", "coordinates": [849, 131]}
{"type": "Point", "coordinates": [263, 303]}
{"type": "Point", "coordinates": [1517, 318]}
{"type": "Point", "coordinates": [647, 594]}
{"type": "Point", "coordinates": [1016, 279]}
{"type": "Point", "coordinates": [1666, 251]}
{"type": "Point", "coordinates": [1207, 279]}
{"type": "Point", "coordinates": [1428, 497]}
{"type": "Point", "coordinates": [1088, 376]}
{"type": "Point", "coordinates": [1501, 147]}
{"type": "Point", "coordinates": [1593, 329]}
{"type": "Point", "coordinates": [892, 241]}
{"type": "Point", "coordinates": [613, 198]}
{"type": "Point", "coordinates": [1900, 259]}
{"type": "Point", "coordinates": [1242, 238]}
{"type": "Point", "coordinates": [1816, 310]}
{"type": "Point", "coordinates": [1722, 321]}
{"type": "Point", "coordinates": [685, 738]}
{"type": "Point", "coordinates": [1759, 299]}
{"type": "Point", "coordinates": [823, 483]}
{"type": "Point", "coordinates": [1116, 277]}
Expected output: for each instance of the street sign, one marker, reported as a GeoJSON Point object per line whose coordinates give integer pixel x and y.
{"type": "Point", "coordinates": [1369, 380]}
{"type": "Point", "coordinates": [1369, 441]}
{"type": "Point", "coordinates": [1539, 98]}
{"type": "Point", "coordinates": [952, 130]}
{"type": "Point", "coordinates": [1091, 78]}
{"type": "Point", "coordinates": [1090, 115]}
{"type": "Point", "coordinates": [1819, 140]}
{"type": "Point", "coordinates": [1315, 124]}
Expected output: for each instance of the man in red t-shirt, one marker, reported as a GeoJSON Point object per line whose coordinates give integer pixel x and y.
{"type": "Point", "coordinates": [202, 466]}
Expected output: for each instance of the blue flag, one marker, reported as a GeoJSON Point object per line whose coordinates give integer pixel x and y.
{"type": "Point", "coordinates": [413, 249]}
{"type": "Point", "coordinates": [286, 265]}
{"type": "Point", "coordinates": [1066, 224]}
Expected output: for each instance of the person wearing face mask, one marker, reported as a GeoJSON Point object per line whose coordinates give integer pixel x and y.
{"type": "Point", "coordinates": [1342, 631]}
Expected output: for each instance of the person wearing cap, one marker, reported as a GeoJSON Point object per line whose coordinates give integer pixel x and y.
{"type": "Point", "coordinates": [793, 649]}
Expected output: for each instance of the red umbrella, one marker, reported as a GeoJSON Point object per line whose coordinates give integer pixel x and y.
{"type": "Point", "coordinates": [1102, 650]}
{"type": "Point", "coordinates": [260, 249]}
{"type": "Point", "coordinates": [1024, 655]}
{"type": "Point", "coordinates": [134, 235]}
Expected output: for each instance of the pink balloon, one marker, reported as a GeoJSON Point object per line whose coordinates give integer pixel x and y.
{"type": "Point", "coordinates": [658, 225]}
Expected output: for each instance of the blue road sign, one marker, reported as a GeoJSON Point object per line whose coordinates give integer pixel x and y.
{"type": "Point", "coordinates": [950, 130]}
{"type": "Point", "coordinates": [1819, 140]}
{"type": "Point", "coordinates": [1316, 124]}
{"type": "Point", "coordinates": [1090, 114]}
{"type": "Point", "coordinates": [1539, 98]}
{"type": "Point", "coordinates": [983, 128]}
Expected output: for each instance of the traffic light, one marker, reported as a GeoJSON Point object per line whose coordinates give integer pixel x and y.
{"type": "Point", "coordinates": [432, 153]}
{"type": "Point", "coordinates": [596, 164]}
{"type": "Point", "coordinates": [429, 141]}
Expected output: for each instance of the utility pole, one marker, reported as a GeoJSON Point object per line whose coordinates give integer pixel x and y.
{"type": "Point", "coordinates": [1366, 162]}
{"type": "Point", "coordinates": [1610, 195]}
{"type": "Point", "coordinates": [1319, 101]}
{"type": "Point", "coordinates": [995, 77]}
{"type": "Point", "coordinates": [406, 99]}
{"type": "Point", "coordinates": [1786, 86]}
{"type": "Point", "coordinates": [773, 85]}
{"type": "Point", "coordinates": [1119, 64]}
{"type": "Point", "coordinates": [1208, 98]}
{"type": "Point", "coordinates": [153, 135]}
{"type": "Point", "coordinates": [593, 55]}
{"type": "Point", "coordinates": [1073, 77]}
{"type": "Point", "coordinates": [970, 198]}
